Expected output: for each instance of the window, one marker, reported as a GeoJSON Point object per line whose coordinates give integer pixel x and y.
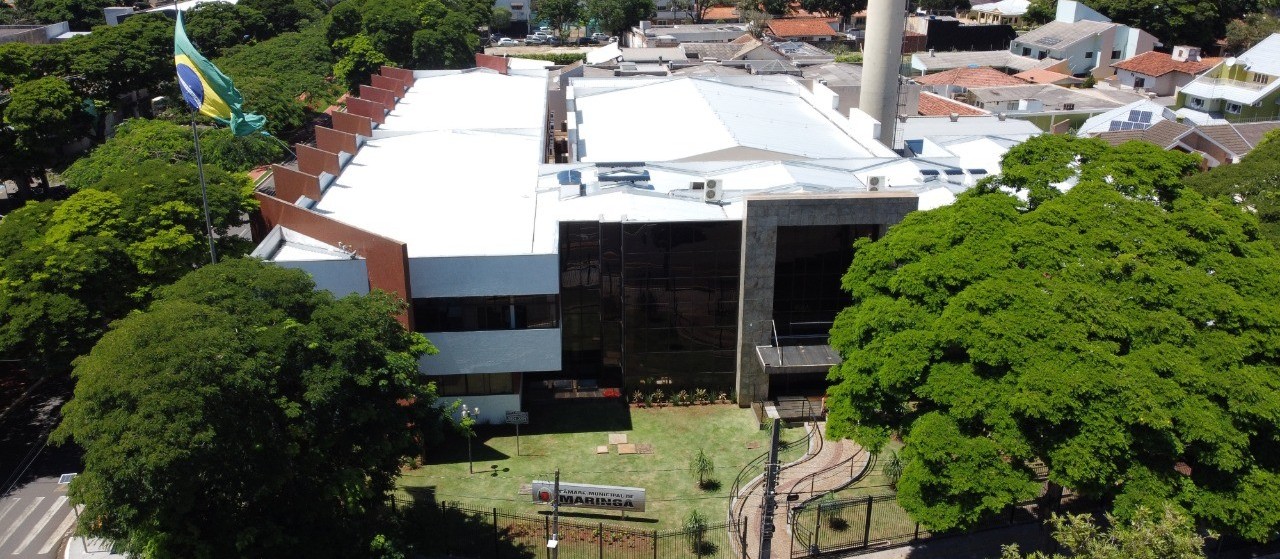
{"type": "Point", "coordinates": [1115, 55]}
{"type": "Point", "coordinates": [474, 384]}
{"type": "Point", "coordinates": [1261, 78]}
{"type": "Point", "coordinates": [468, 314]}
{"type": "Point", "coordinates": [1139, 82]}
{"type": "Point", "coordinates": [1026, 51]}
{"type": "Point", "coordinates": [1197, 102]}
{"type": "Point", "coordinates": [1042, 55]}
{"type": "Point", "coordinates": [1088, 54]}
{"type": "Point", "coordinates": [1011, 105]}
{"type": "Point", "coordinates": [1233, 108]}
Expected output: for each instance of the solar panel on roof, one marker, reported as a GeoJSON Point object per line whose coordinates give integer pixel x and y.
{"type": "Point", "coordinates": [929, 172]}
{"type": "Point", "coordinates": [976, 172]}
{"type": "Point", "coordinates": [1115, 126]}
{"type": "Point", "coordinates": [953, 172]}
{"type": "Point", "coordinates": [1144, 116]}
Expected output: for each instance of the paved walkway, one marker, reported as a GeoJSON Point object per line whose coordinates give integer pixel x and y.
{"type": "Point", "coordinates": [826, 466]}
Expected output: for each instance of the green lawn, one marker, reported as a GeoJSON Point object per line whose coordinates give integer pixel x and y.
{"type": "Point", "coordinates": [566, 437]}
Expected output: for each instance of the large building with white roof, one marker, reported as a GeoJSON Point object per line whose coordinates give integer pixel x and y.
{"type": "Point", "coordinates": [643, 233]}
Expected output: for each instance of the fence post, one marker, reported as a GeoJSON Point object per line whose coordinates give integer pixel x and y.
{"type": "Point", "coordinates": [814, 546]}
{"type": "Point", "coordinates": [697, 550]}
{"type": "Point", "coordinates": [916, 536]}
{"type": "Point", "coordinates": [546, 535]}
{"type": "Point", "coordinates": [496, 553]}
{"type": "Point", "coordinates": [866, 531]}
{"type": "Point", "coordinates": [600, 537]}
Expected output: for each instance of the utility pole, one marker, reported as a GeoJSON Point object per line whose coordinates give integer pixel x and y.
{"type": "Point", "coordinates": [555, 516]}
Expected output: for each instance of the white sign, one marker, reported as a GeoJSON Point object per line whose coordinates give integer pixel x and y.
{"type": "Point", "coordinates": [518, 417]}
{"type": "Point", "coordinates": [629, 499]}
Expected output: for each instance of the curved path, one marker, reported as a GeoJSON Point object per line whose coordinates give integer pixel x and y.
{"type": "Point", "coordinates": [826, 466]}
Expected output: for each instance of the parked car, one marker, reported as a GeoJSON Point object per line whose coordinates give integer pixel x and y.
{"type": "Point", "coordinates": [535, 40]}
{"type": "Point", "coordinates": [544, 30]}
{"type": "Point", "coordinates": [600, 38]}
{"type": "Point", "coordinates": [507, 42]}
{"type": "Point", "coordinates": [553, 41]}
{"type": "Point", "coordinates": [585, 41]}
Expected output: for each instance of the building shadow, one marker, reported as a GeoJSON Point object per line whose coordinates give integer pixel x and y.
{"type": "Point", "coordinates": [578, 416]}
{"type": "Point", "coordinates": [429, 529]}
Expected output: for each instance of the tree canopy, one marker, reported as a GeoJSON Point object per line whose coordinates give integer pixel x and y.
{"type": "Point", "coordinates": [1243, 33]}
{"type": "Point", "coordinates": [68, 268]}
{"type": "Point", "coordinates": [615, 17]}
{"type": "Point", "coordinates": [245, 414]}
{"type": "Point", "coordinates": [1146, 536]}
{"type": "Point", "coordinates": [43, 115]}
{"type": "Point", "coordinates": [1254, 183]}
{"type": "Point", "coordinates": [1122, 340]}
{"type": "Point", "coordinates": [1175, 22]}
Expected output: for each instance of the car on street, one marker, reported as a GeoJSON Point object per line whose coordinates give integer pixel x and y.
{"type": "Point", "coordinates": [507, 42]}
{"type": "Point", "coordinates": [535, 40]}
{"type": "Point", "coordinates": [600, 38]}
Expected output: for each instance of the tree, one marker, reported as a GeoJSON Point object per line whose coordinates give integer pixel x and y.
{"type": "Point", "coordinates": [451, 43]}
{"type": "Point", "coordinates": [618, 16]}
{"type": "Point", "coordinates": [1041, 11]}
{"type": "Point", "coordinates": [1253, 184]}
{"type": "Point", "coordinates": [44, 116]}
{"type": "Point", "coordinates": [138, 140]}
{"type": "Point", "coordinates": [1242, 34]}
{"type": "Point", "coordinates": [81, 14]}
{"type": "Point", "coordinates": [500, 19]}
{"type": "Point", "coordinates": [943, 5]}
{"type": "Point", "coordinates": [843, 9]}
{"type": "Point", "coordinates": [359, 60]}
{"type": "Point", "coordinates": [558, 13]}
{"type": "Point", "coordinates": [291, 65]}
{"type": "Point", "coordinates": [90, 259]}
{"type": "Point", "coordinates": [20, 62]}
{"type": "Point", "coordinates": [117, 60]}
{"type": "Point", "coordinates": [1174, 22]}
{"type": "Point", "coordinates": [1146, 536]}
{"type": "Point", "coordinates": [217, 26]}
{"type": "Point", "coordinates": [701, 467]}
{"type": "Point", "coordinates": [1121, 339]}
{"type": "Point", "coordinates": [284, 15]}
{"type": "Point", "coordinates": [246, 414]}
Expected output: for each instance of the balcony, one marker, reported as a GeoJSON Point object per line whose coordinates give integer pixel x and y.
{"type": "Point", "coordinates": [1226, 82]}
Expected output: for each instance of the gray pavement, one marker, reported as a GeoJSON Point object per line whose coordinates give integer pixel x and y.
{"type": "Point", "coordinates": [34, 520]}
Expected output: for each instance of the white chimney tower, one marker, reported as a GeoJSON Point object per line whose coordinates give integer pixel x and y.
{"type": "Point", "coordinates": [881, 58]}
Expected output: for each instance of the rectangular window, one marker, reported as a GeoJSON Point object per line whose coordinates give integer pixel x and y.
{"type": "Point", "coordinates": [1139, 82]}
{"type": "Point", "coordinates": [1026, 51]}
{"type": "Point", "coordinates": [1042, 55]}
{"type": "Point", "coordinates": [470, 314]}
{"type": "Point", "coordinates": [1011, 105]}
{"type": "Point", "coordinates": [1233, 108]}
{"type": "Point", "coordinates": [1088, 54]}
{"type": "Point", "coordinates": [1261, 78]}
{"type": "Point", "coordinates": [1115, 55]}
{"type": "Point", "coordinates": [1197, 102]}
{"type": "Point", "coordinates": [475, 384]}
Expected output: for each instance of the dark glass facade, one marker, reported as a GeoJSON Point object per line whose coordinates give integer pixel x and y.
{"type": "Point", "coordinates": [807, 294]}
{"type": "Point", "coordinates": [469, 314]}
{"type": "Point", "coordinates": [650, 302]}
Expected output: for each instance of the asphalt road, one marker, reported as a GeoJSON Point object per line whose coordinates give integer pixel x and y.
{"type": "Point", "coordinates": [34, 514]}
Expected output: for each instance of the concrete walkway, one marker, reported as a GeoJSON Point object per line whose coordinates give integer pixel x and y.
{"type": "Point", "coordinates": [826, 466]}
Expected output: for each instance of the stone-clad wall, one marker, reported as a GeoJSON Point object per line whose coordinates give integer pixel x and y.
{"type": "Point", "coordinates": [761, 218]}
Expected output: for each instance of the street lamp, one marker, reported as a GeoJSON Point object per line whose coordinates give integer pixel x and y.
{"type": "Point", "coordinates": [468, 422]}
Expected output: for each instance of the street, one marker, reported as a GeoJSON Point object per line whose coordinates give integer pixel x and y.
{"type": "Point", "coordinates": [34, 514]}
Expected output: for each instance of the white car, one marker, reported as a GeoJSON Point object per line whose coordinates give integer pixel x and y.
{"type": "Point", "coordinates": [507, 42]}
{"type": "Point", "coordinates": [600, 38]}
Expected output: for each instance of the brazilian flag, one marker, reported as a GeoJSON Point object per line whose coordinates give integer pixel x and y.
{"type": "Point", "coordinates": [208, 90]}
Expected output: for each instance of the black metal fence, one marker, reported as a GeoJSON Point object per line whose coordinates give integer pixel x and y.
{"type": "Point", "coordinates": [525, 536]}
{"type": "Point", "coordinates": [871, 522]}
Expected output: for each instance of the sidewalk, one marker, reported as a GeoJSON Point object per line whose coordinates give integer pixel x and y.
{"type": "Point", "coordinates": [80, 548]}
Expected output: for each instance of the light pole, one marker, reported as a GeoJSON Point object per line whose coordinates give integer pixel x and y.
{"type": "Point", "coordinates": [468, 423]}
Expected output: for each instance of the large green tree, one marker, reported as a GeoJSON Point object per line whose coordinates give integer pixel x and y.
{"type": "Point", "coordinates": [138, 140]}
{"type": "Point", "coordinates": [1147, 535]}
{"type": "Point", "coordinates": [20, 62]}
{"type": "Point", "coordinates": [42, 116]}
{"type": "Point", "coordinates": [1174, 22]}
{"type": "Point", "coordinates": [616, 17]}
{"type": "Point", "coordinates": [81, 14]}
{"type": "Point", "coordinates": [843, 9]}
{"type": "Point", "coordinates": [90, 259]}
{"type": "Point", "coordinates": [116, 60]}
{"type": "Point", "coordinates": [1253, 183]}
{"type": "Point", "coordinates": [1243, 33]}
{"type": "Point", "coordinates": [1125, 340]}
{"type": "Point", "coordinates": [245, 414]}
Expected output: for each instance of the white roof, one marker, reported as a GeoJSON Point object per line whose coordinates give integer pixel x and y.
{"type": "Point", "coordinates": [1263, 58]}
{"type": "Point", "coordinates": [428, 176]}
{"type": "Point", "coordinates": [1005, 7]}
{"type": "Point", "coordinates": [185, 5]}
{"type": "Point", "coordinates": [605, 53]}
{"type": "Point", "coordinates": [701, 118]}
{"type": "Point", "coordinates": [941, 128]}
{"type": "Point", "coordinates": [1100, 123]}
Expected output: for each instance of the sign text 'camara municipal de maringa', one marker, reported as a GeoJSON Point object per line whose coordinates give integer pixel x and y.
{"type": "Point", "coordinates": [628, 499]}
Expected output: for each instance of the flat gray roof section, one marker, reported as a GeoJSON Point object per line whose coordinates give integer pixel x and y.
{"type": "Point", "coordinates": [797, 359]}
{"type": "Point", "coordinates": [939, 61]}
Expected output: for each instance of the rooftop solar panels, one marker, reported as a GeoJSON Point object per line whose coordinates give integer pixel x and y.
{"type": "Point", "coordinates": [1140, 116]}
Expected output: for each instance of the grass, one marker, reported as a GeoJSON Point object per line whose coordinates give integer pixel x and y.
{"type": "Point", "coordinates": [566, 437]}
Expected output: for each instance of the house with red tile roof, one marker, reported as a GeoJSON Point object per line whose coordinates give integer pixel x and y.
{"type": "Point", "coordinates": [932, 104]}
{"type": "Point", "coordinates": [1163, 74]}
{"type": "Point", "coordinates": [959, 80]}
{"type": "Point", "coordinates": [806, 29]}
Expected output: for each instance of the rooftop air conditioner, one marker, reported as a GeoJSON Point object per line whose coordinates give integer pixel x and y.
{"type": "Point", "coordinates": [714, 191]}
{"type": "Point", "coordinates": [876, 183]}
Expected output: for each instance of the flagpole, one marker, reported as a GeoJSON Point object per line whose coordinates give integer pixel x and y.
{"type": "Point", "coordinates": [204, 191]}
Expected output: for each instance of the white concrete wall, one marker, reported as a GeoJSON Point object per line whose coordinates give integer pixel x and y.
{"type": "Point", "coordinates": [493, 351]}
{"type": "Point", "coordinates": [1163, 85]}
{"type": "Point", "coordinates": [340, 277]}
{"type": "Point", "coordinates": [477, 276]}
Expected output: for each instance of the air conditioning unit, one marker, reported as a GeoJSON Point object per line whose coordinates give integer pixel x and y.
{"type": "Point", "coordinates": [714, 191]}
{"type": "Point", "coordinates": [876, 182]}
{"type": "Point", "coordinates": [697, 185]}
{"type": "Point", "coordinates": [1068, 106]}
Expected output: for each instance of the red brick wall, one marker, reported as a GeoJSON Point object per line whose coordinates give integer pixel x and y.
{"type": "Point", "coordinates": [387, 260]}
{"type": "Point", "coordinates": [352, 124]}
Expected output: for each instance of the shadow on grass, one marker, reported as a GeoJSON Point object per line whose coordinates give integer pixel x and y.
{"type": "Point", "coordinates": [710, 485]}
{"type": "Point", "coordinates": [431, 530]}
{"type": "Point", "coordinates": [453, 449]}
{"type": "Point", "coordinates": [587, 416]}
{"type": "Point", "coordinates": [573, 515]}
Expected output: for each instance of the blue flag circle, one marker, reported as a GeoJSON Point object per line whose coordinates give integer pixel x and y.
{"type": "Point", "coordinates": [189, 83]}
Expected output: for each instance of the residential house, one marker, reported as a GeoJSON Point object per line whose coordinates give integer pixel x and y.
{"type": "Point", "coordinates": [939, 61]}
{"type": "Point", "coordinates": [1217, 144]}
{"type": "Point", "coordinates": [946, 33]}
{"type": "Point", "coordinates": [648, 35]}
{"type": "Point", "coordinates": [1241, 89]}
{"type": "Point", "coordinates": [957, 81]}
{"type": "Point", "coordinates": [809, 30]}
{"type": "Point", "coordinates": [1163, 74]}
{"type": "Point", "coordinates": [1138, 115]}
{"type": "Point", "coordinates": [1007, 12]}
{"type": "Point", "coordinates": [932, 104]}
{"type": "Point", "coordinates": [1037, 98]}
{"type": "Point", "coordinates": [1048, 76]}
{"type": "Point", "coordinates": [1088, 41]}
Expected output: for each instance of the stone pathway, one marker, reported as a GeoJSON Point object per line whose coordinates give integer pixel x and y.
{"type": "Point", "coordinates": [826, 466]}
